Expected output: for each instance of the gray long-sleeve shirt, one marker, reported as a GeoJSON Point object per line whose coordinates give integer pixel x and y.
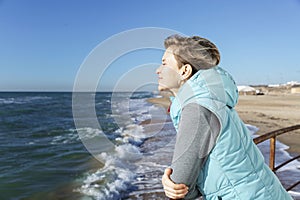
{"type": "Point", "coordinates": [197, 133]}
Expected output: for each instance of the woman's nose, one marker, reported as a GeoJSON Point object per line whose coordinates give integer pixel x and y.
{"type": "Point", "coordinates": [158, 70]}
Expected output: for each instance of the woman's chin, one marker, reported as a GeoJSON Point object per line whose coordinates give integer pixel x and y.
{"type": "Point", "coordinates": [164, 89]}
{"type": "Point", "coordinates": [161, 88]}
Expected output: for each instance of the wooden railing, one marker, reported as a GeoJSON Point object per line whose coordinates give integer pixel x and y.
{"type": "Point", "coordinates": [272, 136]}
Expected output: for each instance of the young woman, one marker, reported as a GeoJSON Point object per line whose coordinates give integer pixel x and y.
{"type": "Point", "coordinates": [214, 154]}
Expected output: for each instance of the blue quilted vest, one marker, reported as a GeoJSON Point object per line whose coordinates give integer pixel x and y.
{"type": "Point", "coordinates": [235, 168]}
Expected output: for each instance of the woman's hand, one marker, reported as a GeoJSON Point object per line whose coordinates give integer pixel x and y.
{"type": "Point", "coordinates": [172, 190]}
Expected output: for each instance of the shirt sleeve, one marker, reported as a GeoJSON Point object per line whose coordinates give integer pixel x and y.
{"type": "Point", "coordinates": [197, 133]}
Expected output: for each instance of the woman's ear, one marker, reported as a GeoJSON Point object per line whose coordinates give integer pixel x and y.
{"type": "Point", "coordinates": [186, 71]}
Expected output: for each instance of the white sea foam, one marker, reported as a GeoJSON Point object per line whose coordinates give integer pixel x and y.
{"type": "Point", "coordinates": [89, 133]}
{"type": "Point", "coordinates": [114, 179]}
{"type": "Point", "coordinates": [99, 186]}
{"type": "Point", "coordinates": [73, 136]}
{"type": "Point", "coordinates": [22, 100]}
{"type": "Point", "coordinates": [7, 100]}
{"type": "Point", "coordinates": [252, 129]}
{"type": "Point", "coordinates": [133, 133]}
{"type": "Point", "coordinates": [128, 152]}
{"type": "Point", "coordinates": [64, 139]}
{"type": "Point", "coordinates": [133, 110]}
{"type": "Point", "coordinates": [30, 143]}
{"type": "Point", "coordinates": [295, 194]}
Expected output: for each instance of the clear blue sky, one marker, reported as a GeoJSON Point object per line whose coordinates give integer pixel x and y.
{"type": "Point", "coordinates": [44, 42]}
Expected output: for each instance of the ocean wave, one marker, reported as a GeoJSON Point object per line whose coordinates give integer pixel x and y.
{"type": "Point", "coordinates": [134, 110]}
{"type": "Point", "coordinates": [132, 134]}
{"type": "Point", "coordinates": [64, 139]}
{"type": "Point", "coordinates": [295, 194]}
{"type": "Point", "coordinates": [23, 100]}
{"type": "Point", "coordinates": [73, 137]}
{"type": "Point", "coordinates": [113, 181]}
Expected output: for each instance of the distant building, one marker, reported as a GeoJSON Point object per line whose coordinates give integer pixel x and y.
{"type": "Point", "coordinates": [274, 85]}
{"type": "Point", "coordinates": [246, 90]}
{"type": "Point", "coordinates": [293, 83]}
{"type": "Point", "coordinates": [295, 89]}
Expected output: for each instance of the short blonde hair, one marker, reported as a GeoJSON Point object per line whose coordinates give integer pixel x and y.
{"type": "Point", "coordinates": [199, 52]}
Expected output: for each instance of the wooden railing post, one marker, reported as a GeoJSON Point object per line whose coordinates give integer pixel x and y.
{"type": "Point", "coordinates": [272, 153]}
{"type": "Point", "coordinates": [272, 136]}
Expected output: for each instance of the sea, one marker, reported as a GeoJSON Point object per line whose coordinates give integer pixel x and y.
{"type": "Point", "coordinates": [43, 156]}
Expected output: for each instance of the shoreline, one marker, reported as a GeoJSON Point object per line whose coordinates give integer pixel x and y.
{"type": "Point", "coordinates": [266, 112]}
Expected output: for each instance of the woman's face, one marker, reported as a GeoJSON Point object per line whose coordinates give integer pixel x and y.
{"type": "Point", "coordinates": [168, 73]}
